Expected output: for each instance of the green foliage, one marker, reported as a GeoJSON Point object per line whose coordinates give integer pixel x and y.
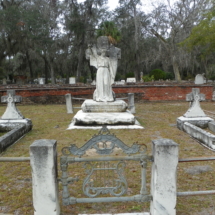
{"type": "Point", "coordinates": [109, 29]}
{"type": "Point", "coordinates": [202, 36]}
{"type": "Point", "coordinates": [129, 75]}
{"type": "Point", "coordinates": [147, 78]}
{"type": "Point", "coordinates": [158, 74]}
{"type": "Point", "coordinates": [170, 75]}
{"type": "Point", "coordinates": [2, 73]}
{"type": "Point", "coordinates": [82, 79]}
{"type": "Point", "coordinates": [119, 77]}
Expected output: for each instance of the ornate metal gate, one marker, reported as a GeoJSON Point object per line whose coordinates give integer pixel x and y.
{"type": "Point", "coordinates": [105, 173]}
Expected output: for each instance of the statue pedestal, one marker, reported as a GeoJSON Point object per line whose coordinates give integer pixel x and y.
{"type": "Point", "coordinates": [95, 114]}
{"type": "Point", "coordinates": [91, 106]}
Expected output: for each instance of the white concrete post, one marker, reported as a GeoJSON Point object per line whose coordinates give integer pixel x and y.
{"type": "Point", "coordinates": [69, 106]}
{"type": "Point", "coordinates": [43, 157]}
{"type": "Point", "coordinates": [131, 106]}
{"type": "Point", "coordinates": [163, 181]}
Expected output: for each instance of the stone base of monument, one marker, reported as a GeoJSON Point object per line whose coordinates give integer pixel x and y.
{"type": "Point", "coordinates": [90, 105]}
{"type": "Point", "coordinates": [121, 120]}
{"type": "Point", "coordinates": [201, 122]}
{"type": "Point", "coordinates": [112, 114]}
{"type": "Point", "coordinates": [9, 124]}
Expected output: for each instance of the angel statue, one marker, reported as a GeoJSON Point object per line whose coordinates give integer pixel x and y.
{"type": "Point", "coordinates": [105, 58]}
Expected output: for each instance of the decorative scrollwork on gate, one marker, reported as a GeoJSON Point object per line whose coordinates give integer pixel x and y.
{"type": "Point", "coordinates": [103, 143]}
{"type": "Point", "coordinates": [105, 178]}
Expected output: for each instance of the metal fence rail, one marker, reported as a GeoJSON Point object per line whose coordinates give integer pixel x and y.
{"type": "Point", "coordinates": [196, 193]}
{"type": "Point", "coordinates": [14, 159]}
{"type": "Point", "coordinates": [196, 159]}
{"type": "Point", "coordinates": [213, 114]}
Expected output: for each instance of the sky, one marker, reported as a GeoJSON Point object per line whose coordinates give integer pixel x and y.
{"type": "Point", "coordinates": [146, 4]}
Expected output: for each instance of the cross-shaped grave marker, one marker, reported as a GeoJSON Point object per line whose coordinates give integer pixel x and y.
{"type": "Point", "coordinates": [194, 98]}
{"type": "Point", "coordinates": [11, 112]}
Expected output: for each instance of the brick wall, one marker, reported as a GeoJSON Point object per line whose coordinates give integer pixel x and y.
{"type": "Point", "coordinates": [56, 94]}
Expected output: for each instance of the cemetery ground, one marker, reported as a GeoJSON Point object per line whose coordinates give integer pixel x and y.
{"type": "Point", "coordinates": [159, 121]}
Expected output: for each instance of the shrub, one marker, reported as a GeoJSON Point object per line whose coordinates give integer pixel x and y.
{"type": "Point", "coordinates": [147, 78]}
{"type": "Point", "coordinates": [82, 79]}
{"type": "Point", "coordinates": [158, 74]}
{"type": "Point", "coordinates": [169, 75]}
{"type": "Point", "coordinates": [129, 75]}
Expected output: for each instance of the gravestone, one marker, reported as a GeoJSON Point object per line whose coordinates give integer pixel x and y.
{"type": "Point", "coordinates": [93, 83]}
{"type": "Point", "coordinates": [131, 80]}
{"type": "Point", "coordinates": [41, 80]}
{"type": "Point", "coordinates": [72, 80]}
{"type": "Point", "coordinates": [194, 98]}
{"type": "Point", "coordinates": [119, 83]}
{"type": "Point", "coordinates": [11, 112]}
{"type": "Point", "coordinates": [194, 115]}
{"type": "Point", "coordinates": [4, 81]}
{"type": "Point", "coordinates": [200, 79]}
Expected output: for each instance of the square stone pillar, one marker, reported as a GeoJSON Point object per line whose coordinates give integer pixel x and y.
{"type": "Point", "coordinates": [131, 105]}
{"type": "Point", "coordinates": [163, 181]}
{"type": "Point", "coordinates": [43, 157]}
{"type": "Point", "coordinates": [69, 103]}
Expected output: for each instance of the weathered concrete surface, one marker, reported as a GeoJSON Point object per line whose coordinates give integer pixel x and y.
{"type": "Point", "coordinates": [164, 175]}
{"type": "Point", "coordinates": [201, 122]}
{"type": "Point", "coordinates": [43, 156]}
{"type": "Point", "coordinates": [15, 132]}
{"type": "Point", "coordinates": [203, 136]}
{"type": "Point", "coordinates": [69, 103]}
{"type": "Point", "coordinates": [123, 118]}
{"type": "Point", "coordinates": [211, 126]}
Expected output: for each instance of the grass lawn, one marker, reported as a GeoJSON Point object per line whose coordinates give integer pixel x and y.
{"type": "Point", "coordinates": [158, 119]}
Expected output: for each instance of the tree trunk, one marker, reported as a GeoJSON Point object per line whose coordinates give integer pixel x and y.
{"type": "Point", "coordinates": [52, 72]}
{"type": "Point", "coordinates": [176, 69]}
{"type": "Point", "coordinates": [136, 36]}
{"type": "Point", "coordinates": [30, 66]}
{"type": "Point", "coordinates": [80, 60]}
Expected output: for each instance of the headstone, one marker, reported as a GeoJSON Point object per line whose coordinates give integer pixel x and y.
{"type": "Point", "coordinates": [11, 112]}
{"type": "Point", "coordinates": [131, 80]}
{"type": "Point", "coordinates": [41, 80]}
{"type": "Point", "coordinates": [89, 81]}
{"type": "Point", "coordinates": [4, 81]}
{"type": "Point", "coordinates": [194, 98]}
{"type": "Point", "coordinates": [200, 79]}
{"type": "Point", "coordinates": [72, 80]}
{"type": "Point", "coordinates": [93, 83]}
{"type": "Point", "coordinates": [119, 83]}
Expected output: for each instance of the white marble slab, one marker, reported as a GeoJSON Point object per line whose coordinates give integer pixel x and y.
{"type": "Point", "coordinates": [144, 213]}
{"type": "Point", "coordinates": [71, 126]}
{"type": "Point", "coordinates": [122, 118]}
